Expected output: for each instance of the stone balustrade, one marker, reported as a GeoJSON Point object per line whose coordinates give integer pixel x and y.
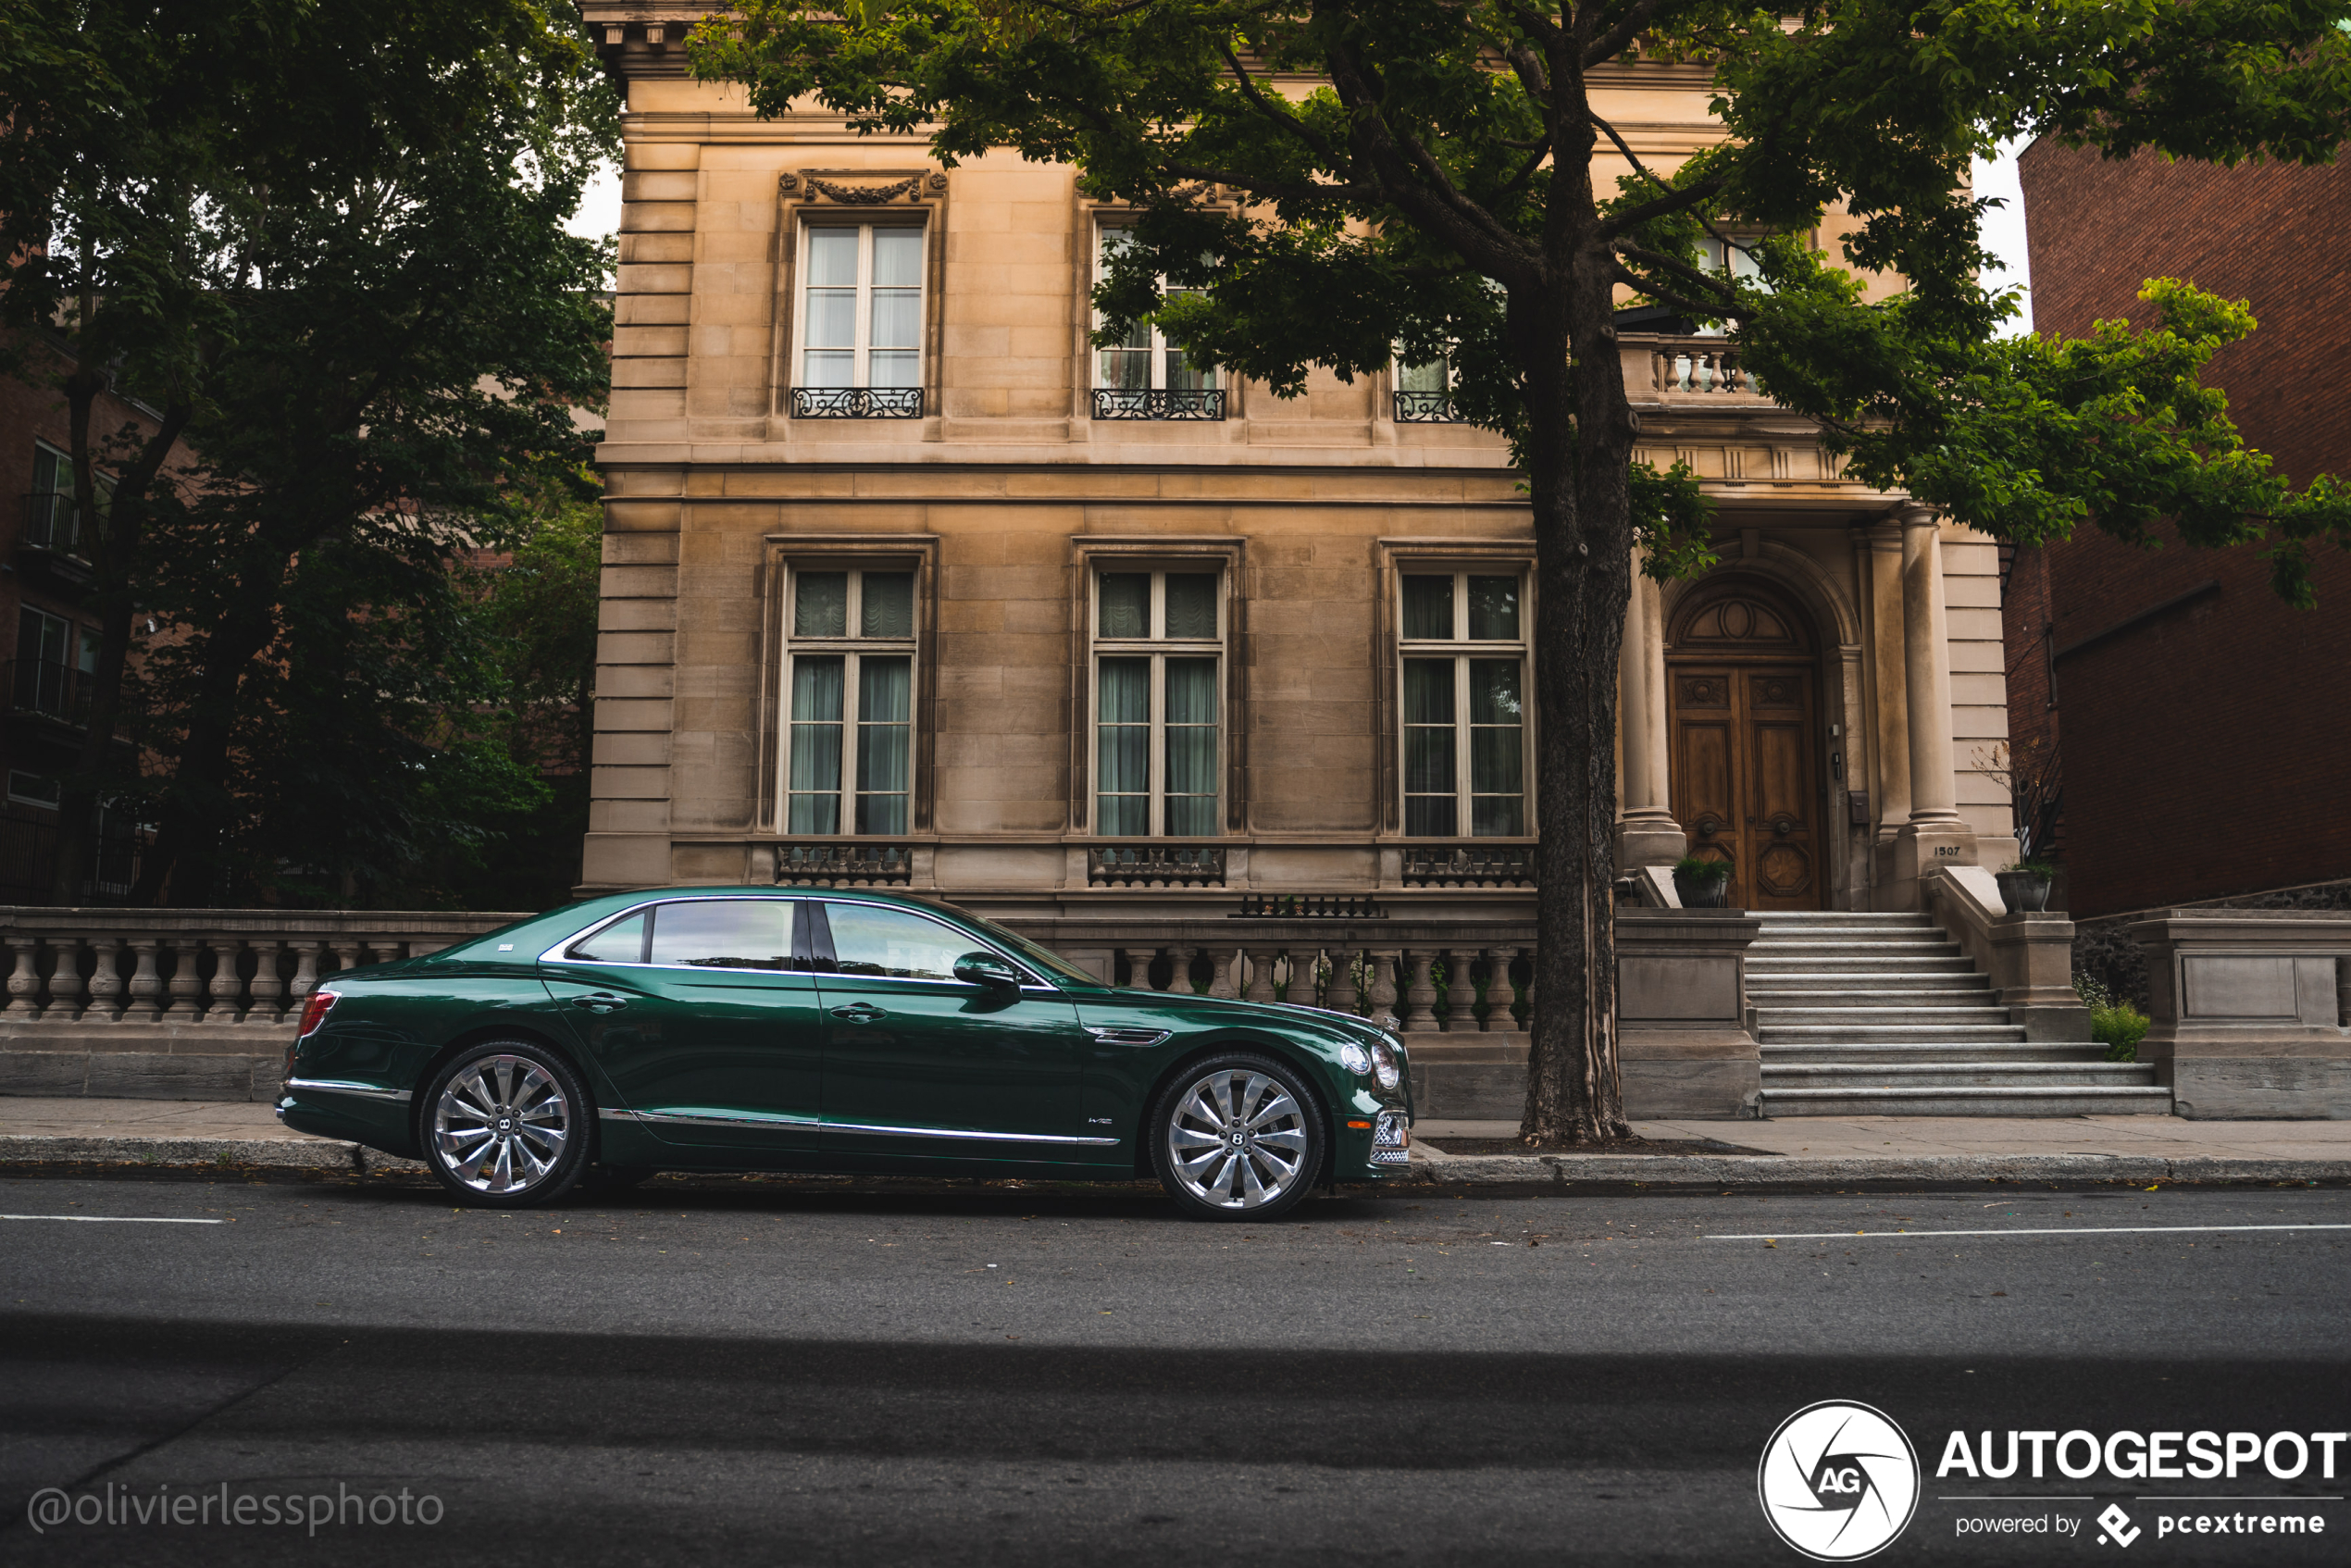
{"type": "Point", "coordinates": [1431, 977]}
{"type": "Point", "coordinates": [182, 1003]}
{"type": "Point", "coordinates": [1697, 365]}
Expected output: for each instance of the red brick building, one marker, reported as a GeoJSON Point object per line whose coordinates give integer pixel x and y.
{"type": "Point", "coordinates": [50, 631]}
{"type": "Point", "coordinates": [2202, 728]}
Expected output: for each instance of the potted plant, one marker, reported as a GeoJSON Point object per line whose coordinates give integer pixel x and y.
{"type": "Point", "coordinates": [1701, 884]}
{"type": "Point", "coordinates": [2025, 885]}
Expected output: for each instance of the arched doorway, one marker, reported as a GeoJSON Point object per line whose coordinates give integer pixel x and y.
{"type": "Point", "coordinates": [1742, 703]}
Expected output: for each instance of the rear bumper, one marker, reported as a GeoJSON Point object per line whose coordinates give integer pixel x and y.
{"type": "Point", "coordinates": [355, 1112]}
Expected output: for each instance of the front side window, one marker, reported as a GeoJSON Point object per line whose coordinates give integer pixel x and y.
{"type": "Point", "coordinates": [1158, 653]}
{"type": "Point", "coordinates": [895, 944]}
{"type": "Point", "coordinates": [861, 319]}
{"type": "Point", "coordinates": [848, 696]}
{"type": "Point", "coordinates": [1465, 679]}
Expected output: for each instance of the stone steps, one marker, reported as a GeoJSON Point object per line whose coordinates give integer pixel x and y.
{"type": "Point", "coordinates": [1884, 1015]}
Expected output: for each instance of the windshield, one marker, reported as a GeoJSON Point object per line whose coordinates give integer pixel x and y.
{"type": "Point", "coordinates": [1045, 958]}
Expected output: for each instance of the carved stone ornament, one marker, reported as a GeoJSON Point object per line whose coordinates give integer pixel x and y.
{"type": "Point", "coordinates": [866, 196]}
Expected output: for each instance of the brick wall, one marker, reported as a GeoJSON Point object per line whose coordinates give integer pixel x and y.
{"type": "Point", "coordinates": [2204, 748]}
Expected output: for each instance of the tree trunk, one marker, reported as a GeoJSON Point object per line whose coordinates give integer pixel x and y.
{"type": "Point", "coordinates": [121, 535]}
{"type": "Point", "coordinates": [1580, 439]}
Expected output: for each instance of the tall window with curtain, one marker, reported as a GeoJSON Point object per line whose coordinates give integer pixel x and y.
{"type": "Point", "coordinates": [1463, 638]}
{"type": "Point", "coordinates": [860, 322]}
{"type": "Point", "coordinates": [1159, 702]}
{"type": "Point", "coordinates": [849, 693]}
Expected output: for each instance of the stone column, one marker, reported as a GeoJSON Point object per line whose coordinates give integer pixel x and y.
{"type": "Point", "coordinates": [1935, 834]}
{"type": "Point", "coordinates": [1647, 833]}
{"type": "Point", "coordinates": [1890, 746]}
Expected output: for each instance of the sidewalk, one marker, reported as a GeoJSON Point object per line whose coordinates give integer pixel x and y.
{"type": "Point", "coordinates": [1805, 1151]}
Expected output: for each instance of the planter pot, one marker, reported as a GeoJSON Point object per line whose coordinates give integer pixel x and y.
{"type": "Point", "coordinates": [2022, 889]}
{"type": "Point", "coordinates": [1710, 894]}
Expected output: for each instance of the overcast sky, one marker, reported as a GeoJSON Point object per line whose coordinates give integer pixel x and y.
{"type": "Point", "coordinates": [2003, 229]}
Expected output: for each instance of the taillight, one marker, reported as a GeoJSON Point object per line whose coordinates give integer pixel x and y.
{"type": "Point", "coordinates": [315, 1010]}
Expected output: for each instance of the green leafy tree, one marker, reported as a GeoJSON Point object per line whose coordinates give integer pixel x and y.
{"type": "Point", "coordinates": [1447, 178]}
{"type": "Point", "coordinates": [400, 385]}
{"type": "Point", "coordinates": [171, 171]}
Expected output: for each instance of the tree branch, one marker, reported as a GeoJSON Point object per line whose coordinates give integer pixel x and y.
{"type": "Point", "coordinates": [1682, 270]}
{"type": "Point", "coordinates": [1610, 45]}
{"type": "Point", "coordinates": [1314, 139]}
{"type": "Point", "coordinates": [1276, 189]}
{"type": "Point", "coordinates": [1665, 205]}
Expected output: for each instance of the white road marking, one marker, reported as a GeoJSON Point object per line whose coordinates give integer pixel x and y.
{"type": "Point", "coordinates": [2054, 1230]}
{"type": "Point", "coordinates": [111, 1219]}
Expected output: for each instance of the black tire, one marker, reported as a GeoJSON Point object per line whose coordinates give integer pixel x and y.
{"type": "Point", "coordinates": [506, 1125]}
{"type": "Point", "coordinates": [1261, 1154]}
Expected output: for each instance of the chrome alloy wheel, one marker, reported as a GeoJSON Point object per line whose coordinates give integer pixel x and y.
{"type": "Point", "coordinates": [501, 1125]}
{"type": "Point", "coordinates": [1237, 1139]}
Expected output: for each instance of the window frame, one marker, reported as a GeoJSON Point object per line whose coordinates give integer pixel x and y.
{"type": "Point", "coordinates": [852, 647]}
{"type": "Point", "coordinates": [1460, 649]}
{"type": "Point", "coordinates": [861, 366]}
{"type": "Point", "coordinates": [1105, 226]}
{"type": "Point", "coordinates": [1156, 646]}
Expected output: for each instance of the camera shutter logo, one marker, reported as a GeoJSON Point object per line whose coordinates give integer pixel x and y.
{"type": "Point", "coordinates": [1838, 1481]}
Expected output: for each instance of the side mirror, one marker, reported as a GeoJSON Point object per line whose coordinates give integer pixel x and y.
{"type": "Point", "coordinates": [987, 969]}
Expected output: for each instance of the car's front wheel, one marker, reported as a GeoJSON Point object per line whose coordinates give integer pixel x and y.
{"type": "Point", "coordinates": [505, 1126]}
{"type": "Point", "coordinates": [1237, 1138]}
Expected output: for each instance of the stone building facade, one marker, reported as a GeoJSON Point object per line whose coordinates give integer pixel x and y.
{"type": "Point", "coordinates": [907, 584]}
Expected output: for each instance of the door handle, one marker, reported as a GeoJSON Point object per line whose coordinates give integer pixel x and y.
{"type": "Point", "coordinates": [860, 1012]}
{"type": "Point", "coordinates": [603, 1002]}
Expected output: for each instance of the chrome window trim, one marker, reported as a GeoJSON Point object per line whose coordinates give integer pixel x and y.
{"type": "Point", "coordinates": [348, 1086]}
{"type": "Point", "coordinates": [557, 953]}
{"type": "Point", "coordinates": [770, 1118]}
{"type": "Point", "coordinates": [975, 938]}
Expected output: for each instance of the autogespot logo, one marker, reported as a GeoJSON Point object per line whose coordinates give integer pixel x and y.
{"type": "Point", "coordinates": [1838, 1481]}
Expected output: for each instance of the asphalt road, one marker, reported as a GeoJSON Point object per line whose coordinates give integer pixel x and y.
{"type": "Point", "coordinates": [774, 1373]}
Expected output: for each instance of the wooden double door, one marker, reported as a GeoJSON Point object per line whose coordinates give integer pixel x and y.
{"type": "Point", "coordinates": [1745, 784]}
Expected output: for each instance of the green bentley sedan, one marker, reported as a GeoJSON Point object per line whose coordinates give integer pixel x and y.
{"type": "Point", "coordinates": [838, 1032]}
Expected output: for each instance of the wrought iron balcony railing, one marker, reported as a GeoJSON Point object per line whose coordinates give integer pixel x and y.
{"type": "Point", "coordinates": [51, 521]}
{"type": "Point", "coordinates": [836, 865]}
{"type": "Point", "coordinates": [857, 403]}
{"type": "Point", "coordinates": [1155, 866]}
{"type": "Point", "coordinates": [1190, 403]}
{"type": "Point", "coordinates": [1469, 865]}
{"type": "Point", "coordinates": [50, 689]}
{"type": "Point", "coordinates": [1426, 409]}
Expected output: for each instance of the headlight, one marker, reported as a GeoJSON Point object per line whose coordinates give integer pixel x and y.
{"type": "Point", "coordinates": [1355, 1059]}
{"type": "Point", "coordinates": [1384, 1064]}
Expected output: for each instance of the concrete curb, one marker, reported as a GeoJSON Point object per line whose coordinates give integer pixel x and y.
{"type": "Point", "coordinates": [1780, 1170]}
{"type": "Point", "coordinates": [284, 1154]}
{"type": "Point", "coordinates": [1428, 1167]}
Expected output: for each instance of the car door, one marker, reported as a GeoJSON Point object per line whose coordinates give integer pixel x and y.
{"type": "Point", "coordinates": [704, 1015]}
{"type": "Point", "coordinates": [920, 1065]}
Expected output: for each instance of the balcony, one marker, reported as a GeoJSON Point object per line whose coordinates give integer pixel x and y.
{"type": "Point", "coordinates": [835, 864]}
{"type": "Point", "coordinates": [1469, 865]}
{"type": "Point", "coordinates": [1426, 409]}
{"type": "Point", "coordinates": [1679, 370]}
{"type": "Point", "coordinates": [1191, 402]}
{"type": "Point", "coordinates": [856, 403]}
{"type": "Point", "coordinates": [1155, 866]}
{"type": "Point", "coordinates": [53, 522]}
{"type": "Point", "coordinates": [49, 690]}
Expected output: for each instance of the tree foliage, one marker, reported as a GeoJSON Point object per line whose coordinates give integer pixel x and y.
{"type": "Point", "coordinates": [325, 239]}
{"type": "Point", "coordinates": [1440, 174]}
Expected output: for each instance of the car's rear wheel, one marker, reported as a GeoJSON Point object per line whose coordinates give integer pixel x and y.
{"type": "Point", "coordinates": [505, 1126]}
{"type": "Point", "coordinates": [1237, 1138]}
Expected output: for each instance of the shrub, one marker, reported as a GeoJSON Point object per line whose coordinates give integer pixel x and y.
{"type": "Point", "coordinates": [2116, 1024]}
{"type": "Point", "coordinates": [1699, 870]}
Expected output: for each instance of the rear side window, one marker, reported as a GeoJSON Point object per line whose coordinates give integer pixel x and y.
{"type": "Point", "coordinates": [623, 942]}
{"type": "Point", "coordinates": [724, 934]}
